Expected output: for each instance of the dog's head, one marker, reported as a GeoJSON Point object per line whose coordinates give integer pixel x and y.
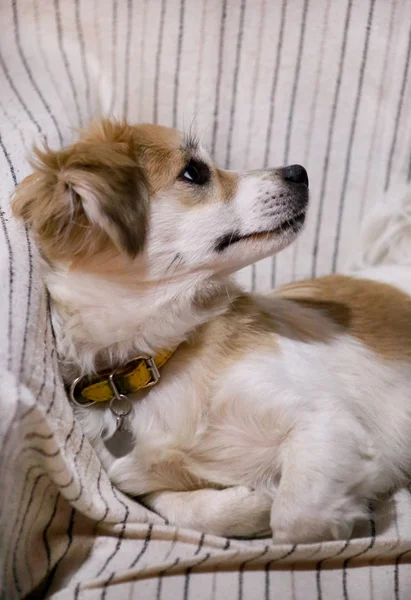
{"type": "Point", "coordinates": [149, 194]}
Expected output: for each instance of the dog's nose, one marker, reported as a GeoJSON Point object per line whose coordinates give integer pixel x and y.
{"type": "Point", "coordinates": [295, 174]}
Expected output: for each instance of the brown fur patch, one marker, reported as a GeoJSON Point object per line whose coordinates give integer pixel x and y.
{"type": "Point", "coordinates": [84, 198]}
{"type": "Point", "coordinates": [243, 328]}
{"type": "Point", "coordinates": [377, 314]}
{"type": "Point", "coordinates": [228, 184]}
{"type": "Point", "coordinates": [160, 154]}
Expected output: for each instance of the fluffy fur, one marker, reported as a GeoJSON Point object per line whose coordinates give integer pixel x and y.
{"type": "Point", "coordinates": [287, 411]}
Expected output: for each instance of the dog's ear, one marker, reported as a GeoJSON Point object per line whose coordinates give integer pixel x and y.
{"type": "Point", "coordinates": [81, 197]}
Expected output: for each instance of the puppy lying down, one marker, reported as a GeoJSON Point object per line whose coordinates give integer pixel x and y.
{"type": "Point", "coordinates": [225, 411]}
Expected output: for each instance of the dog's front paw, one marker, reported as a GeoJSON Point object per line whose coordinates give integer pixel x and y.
{"type": "Point", "coordinates": [250, 513]}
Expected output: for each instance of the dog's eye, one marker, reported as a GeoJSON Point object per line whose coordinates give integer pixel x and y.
{"type": "Point", "coordinates": [196, 172]}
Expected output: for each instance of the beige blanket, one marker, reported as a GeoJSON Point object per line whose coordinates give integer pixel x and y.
{"type": "Point", "coordinates": [323, 82]}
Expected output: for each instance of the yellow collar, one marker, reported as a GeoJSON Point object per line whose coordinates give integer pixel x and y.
{"type": "Point", "coordinates": [140, 372]}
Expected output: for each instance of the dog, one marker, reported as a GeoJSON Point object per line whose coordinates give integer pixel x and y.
{"type": "Point", "coordinates": [234, 413]}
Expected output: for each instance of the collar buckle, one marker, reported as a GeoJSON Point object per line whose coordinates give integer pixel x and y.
{"type": "Point", "coordinates": [149, 363]}
{"type": "Point", "coordinates": [151, 368]}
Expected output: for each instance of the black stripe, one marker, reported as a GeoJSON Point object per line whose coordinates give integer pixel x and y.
{"type": "Point", "coordinates": [106, 584]}
{"type": "Point", "coordinates": [106, 510]}
{"type": "Point", "coordinates": [80, 35]}
{"type": "Point", "coordinates": [142, 60]}
{"type": "Point", "coordinates": [291, 112]}
{"type": "Point", "coordinates": [45, 355]}
{"type": "Point", "coordinates": [251, 119]}
{"type": "Point", "coordinates": [10, 261]}
{"type": "Point", "coordinates": [173, 545]}
{"type": "Point", "coordinates": [113, 57]}
{"type": "Point", "coordinates": [19, 98]}
{"type": "Point", "coordinates": [9, 163]}
{"type": "Point", "coordinates": [31, 376]}
{"type": "Point", "coordinates": [65, 59]}
{"type": "Point", "coordinates": [10, 427]}
{"type": "Point", "coordinates": [39, 35]}
{"type": "Point", "coordinates": [295, 81]}
{"type": "Point", "coordinates": [13, 124]}
{"type": "Point", "coordinates": [271, 110]}
{"type": "Point", "coordinates": [397, 574]}
{"type": "Point", "coordinates": [254, 85]}
{"type": "Point", "coordinates": [178, 62]}
{"type": "Point", "coordinates": [106, 506]}
{"type": "Point", "coordinates": [77, 592]}
{"type": "Point", "coordinates": [144, 548]}
{"type": "Point", "coordinates": [347, 560]}
{"type": "Point", "coordinates": [381, 90]}
{"type": "Point", "coordinates": [188, 574]}
{"type": "Point", "coordinates": [161, 575]}
{"type": "Point", "coordinates": [227, 544]}
{"type": "Point", "coordinates": [274, 83]}
{"type": "Point", "coordinates": [320, 564]}
{"type": "Point", "coordinates": [200, 544]}
{"type": "Point", "coordinates": [53, 396]}
{"type": "Point", "coordinates": [398, 114]}
{"type": "Point", "coordinates": [18, 512]}
{"type": "Point", "coordinates": [41, 451]}
{"type": "Point", "coordinates": [28, 70]}
{"type": "Point", "coordinates": [134, 562]}
{"type": "Point", "coordinates": [312, 117]}
{"type": "Point", "coordinates": [330, 137]}
{"type": "Point", "coordinates": [33, 525]}
{"type": "Point", "coordinates": [70, 433]}
{"type": "Point", "coordinates": [188, 571]}
{"type": "Point", "coordinates": [29, 298]}
{"type": "Point", "coordinates": [268, 567]}
{"type": "Point", "coordinates": [32, 491]}
{"type": "Point", "coordinates": [18, 537]}
{"type": "Point", "coordinates": [27, 474]}
{"type": "Point", "coordinates": [219, 75]}
{"type": "Point", "coordinates": [235, 84]}
{"type": "Point", "coordinates": [79, 478]}
{"type": "Point", "coordinates": [120, 536]}
{"type": "Point", "coordinates": [200, 58]}
{"type": "Point", "coordinates": [396, 568]}
{"type": "Point", "coordinates": [53, 333]}
{"type": "Point", "coordinates": [158, 59]}
{"type": "Point", "coordinates": [352, 135]}
{"type": "Point", "coordinates": [46, 530]}
{"type": "Point", "coordinates": [241, 571]}
{"type": "Point", "coordinates": [63, 556]}
{"type": "Point", "coordinates": [76, 455]}
{"type": "Point", "coordinates": [26, 323]}
{"type": "Point", "coordinates": [127, 57]}
{"type": "Point", "coordinates": [318, 73]}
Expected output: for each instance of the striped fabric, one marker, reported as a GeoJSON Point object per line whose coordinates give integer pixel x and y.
{"type": "Point", "coordinates": [320, 82]}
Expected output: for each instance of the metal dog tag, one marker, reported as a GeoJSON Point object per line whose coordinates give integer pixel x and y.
{"type": "Point", "coordinates": [120, 443]}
